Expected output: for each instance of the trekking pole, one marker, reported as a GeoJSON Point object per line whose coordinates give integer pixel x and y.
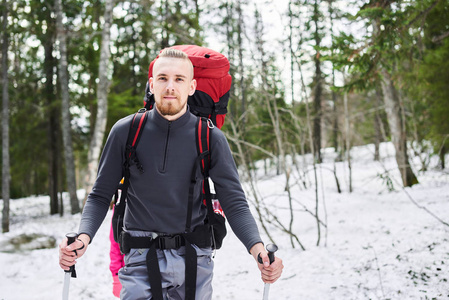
{"type": "Point", "coordinates": [271, 248]}
{"type": "Point", "coordinates": [70, 273]}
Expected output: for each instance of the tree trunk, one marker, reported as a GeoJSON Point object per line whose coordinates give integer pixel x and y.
{"type": "Point", "coordinates": [65, 108]}
{"type": "Point", "coordinates": [164, 12]}
{"type": "Point", "coordinates": [335, 130]}
{"type": "Point", "coordinates": [394, 113]}
{"type": "Point", "coordinates": [292, 54]}
{"type": "Point", "coordinates": [229, 12]}
{"type": "Point", "coordinates": [377, 126]}
{"type": "Point", "coordinates": [318, 90]}
{"type": "Point", "coordinates": [5, 123]}
{"type": "Point", "coordinates": [102, 102]}
{"type": "Point", "coordinates": [348, 137]}
{"type": "Point", "coordinates": [442, 155]}
{"type": "Point", "coordinates": [53, 124]}
{"type": "Point", "coordinates": [240, 33]}
{"type": "Point", "coordinates": [312, 149]}
{"type": "Point", "coordinates": [273, 112]}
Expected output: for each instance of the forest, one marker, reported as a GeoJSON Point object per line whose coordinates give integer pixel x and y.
{"type": "Point", "coordinates": [308, 75]}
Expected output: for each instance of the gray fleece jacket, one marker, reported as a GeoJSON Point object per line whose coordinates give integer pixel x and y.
{"type": "Point", "coordinates": [157, 198]}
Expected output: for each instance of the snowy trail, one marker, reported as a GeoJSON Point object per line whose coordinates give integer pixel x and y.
{"type": "Point", "coordinates": [378, 245]}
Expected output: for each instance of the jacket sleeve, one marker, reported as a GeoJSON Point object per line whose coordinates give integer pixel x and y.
{"type": "Point", "coordinates": [223, 173]}
{"type": "Point", "coordinates": [108, 178]}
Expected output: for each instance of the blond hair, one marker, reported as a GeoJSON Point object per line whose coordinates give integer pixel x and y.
{"type": "Point", "coordinates": [175, 53]}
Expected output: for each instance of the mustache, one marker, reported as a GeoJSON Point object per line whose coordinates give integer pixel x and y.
{"type": "Point", "coordinates": [169, 93]}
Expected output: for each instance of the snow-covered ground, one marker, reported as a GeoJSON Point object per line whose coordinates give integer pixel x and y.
{"type": "Point", "coordinates": [378, 244]}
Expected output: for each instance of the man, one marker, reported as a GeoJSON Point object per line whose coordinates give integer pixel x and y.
{"type": "Point", "coordinates": [157, 198]}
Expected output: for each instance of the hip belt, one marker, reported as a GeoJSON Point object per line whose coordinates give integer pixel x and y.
{"type": "Point", "coordinates": [201, 237]}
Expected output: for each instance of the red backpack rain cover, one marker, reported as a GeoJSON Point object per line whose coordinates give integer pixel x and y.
{"type": "Point", "coordinates": [211, 71]}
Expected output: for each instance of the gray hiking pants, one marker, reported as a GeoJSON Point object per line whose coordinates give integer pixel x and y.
{"type": "Point", "coordinates": [134, 275]}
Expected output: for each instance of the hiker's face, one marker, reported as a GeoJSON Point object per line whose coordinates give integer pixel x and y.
{"type": "Point", "coordinates": [172, 84]}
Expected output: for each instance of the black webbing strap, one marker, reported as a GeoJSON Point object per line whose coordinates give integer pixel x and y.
{"type": "Point", "coordinates": [169, 241]}
{"type": "Point", "coordinates": [154, 273]}
{"type": "Point", "coordinates": [135, 130]}
{"type": "Point", "coordinates": [137, 125]}
{"type": "Point", "coordinates": [134, 134]}
{"type": "Point", "coordinates": [190, 271]}
{"type": "Point", "coordinates": [203, 132]}
{"type": "Point", "coordinates": [190, 199]}
{"type": "Point", "coordinates": [191, 260]}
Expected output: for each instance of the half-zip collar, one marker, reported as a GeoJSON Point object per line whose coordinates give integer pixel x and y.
{"type": "Point", "coordinates": [167, 127]}
{"type": "Point", "coordinates": [162, 122]}
{"type": "Point", "coordinates": [167, 138]}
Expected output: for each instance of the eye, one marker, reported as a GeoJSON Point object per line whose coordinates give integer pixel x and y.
{"type": "Point", "coordinates": [180, 79]}
{"type": "Point", "coordinates": [162, 78]}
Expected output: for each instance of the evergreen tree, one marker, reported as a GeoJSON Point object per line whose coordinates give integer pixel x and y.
{"type": "Point", "coordinates": [429, 90]}
{"type": "Point", "coordinates": [377, 63]}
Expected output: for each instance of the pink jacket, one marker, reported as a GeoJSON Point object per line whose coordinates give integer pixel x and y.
{"type": "Point", "coordinates": [115, 255]}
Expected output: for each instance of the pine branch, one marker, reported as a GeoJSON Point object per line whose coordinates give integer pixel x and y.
{"type": "Point", "coordinates": [422, 14]}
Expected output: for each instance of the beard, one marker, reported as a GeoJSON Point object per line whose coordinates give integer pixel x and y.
{"type": "Point", "coordinates": [170, 107]}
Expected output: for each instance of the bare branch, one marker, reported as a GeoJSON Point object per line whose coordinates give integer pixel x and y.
{"type": "Point", "coordinates": [236, 140]}
{"type": "Point", "coordinates": [437, 39]}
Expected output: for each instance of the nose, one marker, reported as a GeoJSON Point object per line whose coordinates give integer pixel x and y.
{"type": "Point", "coordinates": [170, 86]}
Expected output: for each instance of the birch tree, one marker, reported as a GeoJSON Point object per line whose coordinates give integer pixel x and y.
{"type": "Point", "coordinates": [317, 84]}
{"type": "Point", "coordinates": [396, 122]}
{"type": "Point", "coordinates": [5, 122]}
{"type": "Point", "coordinates": [395, 113]}
{"type": "Point", "coordinates": [98, 131]}
{"type": "Point", "coordinates": [65, 108]}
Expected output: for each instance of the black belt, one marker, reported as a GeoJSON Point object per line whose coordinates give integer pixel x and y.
{"type": "Point", "coordinates": [160, 241]}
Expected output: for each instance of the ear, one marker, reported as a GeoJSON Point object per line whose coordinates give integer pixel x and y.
{"type": "Point", "coordinates": [193, 84]}
{"type": "Point", "coordinates": [150, 81]}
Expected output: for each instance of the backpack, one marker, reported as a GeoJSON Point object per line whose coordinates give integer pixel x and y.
{"type": "Point", "coordinates": [209, 103]}
{"type": "Point", "coordinates": [211, 71]}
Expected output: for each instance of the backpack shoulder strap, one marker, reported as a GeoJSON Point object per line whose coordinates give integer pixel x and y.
{"type": "Point", "coordinates": [202, 136]}
{"type": "Point", "coordinates": [135, 131]}
{"type": "Point", "coordinates": [203, 143]}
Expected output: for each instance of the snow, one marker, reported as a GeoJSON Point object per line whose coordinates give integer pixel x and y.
{"type": "Point", "coordinates": [379, 244]}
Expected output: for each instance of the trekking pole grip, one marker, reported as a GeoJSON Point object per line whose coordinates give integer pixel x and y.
{"type": "Point", "coordinates": [271, 248]}
{"type": "Point", "coordinates": [71, 237]}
